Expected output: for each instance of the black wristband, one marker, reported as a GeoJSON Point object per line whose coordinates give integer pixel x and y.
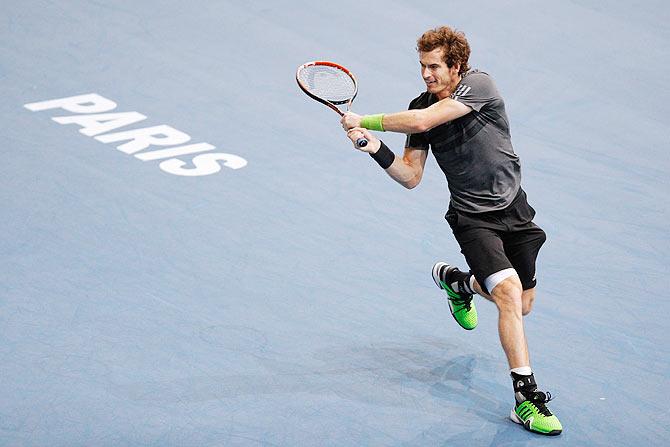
{"type": "Point", "coordinates": [384, 156]}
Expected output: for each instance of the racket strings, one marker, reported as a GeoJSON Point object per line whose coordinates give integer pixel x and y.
{"type": "Point", "coordinates": [329, 83]}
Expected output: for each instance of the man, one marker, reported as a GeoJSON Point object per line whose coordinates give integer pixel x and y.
{"type": "Point", "coordinates": [462, 118]}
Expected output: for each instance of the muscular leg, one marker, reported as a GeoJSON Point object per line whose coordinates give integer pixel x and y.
{"type": "Point", "coordinates": [480, 292]}
{"type": "Point", "coordinates": [509, 298]}
{"type": "Point", "coordinates": [527, 299]}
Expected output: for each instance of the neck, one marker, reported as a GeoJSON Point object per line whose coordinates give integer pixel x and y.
{"type": "Point", "coordinates": [450, 89]}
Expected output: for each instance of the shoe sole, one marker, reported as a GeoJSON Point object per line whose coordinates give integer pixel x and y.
{"type": "Point", "coordinates": [517, 420]}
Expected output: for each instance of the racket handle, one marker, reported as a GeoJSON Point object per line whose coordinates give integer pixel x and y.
{"type": "Point", "coordinates": [361, 142]}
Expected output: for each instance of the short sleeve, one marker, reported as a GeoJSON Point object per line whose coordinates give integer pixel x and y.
{"type": "Point", "coordinates": [418, 140]}
{"type": "Point", "coordinates": [476, 90]}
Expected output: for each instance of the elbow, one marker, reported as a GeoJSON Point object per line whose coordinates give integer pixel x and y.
{"type": "Point", "coordinates": [423, 123]}
{"type": "Point", "coordinates": [419, 122]}
{"type": "Point", "coordinates": [412, 183]}
{"type": "Point", "coordinates": [421, 126]}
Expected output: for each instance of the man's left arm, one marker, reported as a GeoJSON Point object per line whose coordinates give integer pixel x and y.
{"type": "Point", "coordinates": [410, 121]}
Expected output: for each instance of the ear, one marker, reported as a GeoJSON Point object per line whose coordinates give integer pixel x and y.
{"type": "Point", "coordinates": [456, 68]}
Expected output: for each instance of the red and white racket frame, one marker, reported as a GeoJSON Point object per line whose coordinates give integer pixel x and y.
{"type": "Point", "coordinates": [332, 104]}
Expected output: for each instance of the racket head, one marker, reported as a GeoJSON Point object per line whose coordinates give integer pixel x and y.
{"type": "Point", "coordinates": [327, 82]}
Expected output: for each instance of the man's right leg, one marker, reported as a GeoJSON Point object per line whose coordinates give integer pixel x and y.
{"type": "Point", "coordinates": [507, 297]}
{"type": "Point", "coordinates": [530, 409]}
{"type": "Point", "coordinates": [488, 259]}
{"type": "Point", "coordinates": [527, 298]}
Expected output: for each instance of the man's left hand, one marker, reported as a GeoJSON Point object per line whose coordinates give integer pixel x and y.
{"type": "Point", "coordinates": [350, 120]}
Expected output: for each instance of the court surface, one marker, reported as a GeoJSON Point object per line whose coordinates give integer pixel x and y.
{"type": "Point", "coordinates": [288, 302]}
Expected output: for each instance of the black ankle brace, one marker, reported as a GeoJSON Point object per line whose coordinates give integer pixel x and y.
{"type": "Point", "coordinates": [463, 280]}
{"type": "Point", "coordinates": [523, 383]}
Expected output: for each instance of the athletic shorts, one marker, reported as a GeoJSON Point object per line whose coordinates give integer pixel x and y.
{"type": "Point", "coordinates": [498, 240]}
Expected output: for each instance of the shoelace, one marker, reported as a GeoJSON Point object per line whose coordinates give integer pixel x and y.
{"type": "Point", "coordinates": [539, 399]}
{"type": "Point", "coordinates": [461, 300]}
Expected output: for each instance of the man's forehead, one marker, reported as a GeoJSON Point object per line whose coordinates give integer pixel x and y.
{"type": "Point", "coordinates": [431, 57]}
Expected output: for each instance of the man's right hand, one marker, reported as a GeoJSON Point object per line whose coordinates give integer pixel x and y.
{"type": "Point", "coordinates": [358, 132]}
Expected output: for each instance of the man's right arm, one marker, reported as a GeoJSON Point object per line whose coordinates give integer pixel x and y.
{"type": "Point", "coordinates": [406, 170]}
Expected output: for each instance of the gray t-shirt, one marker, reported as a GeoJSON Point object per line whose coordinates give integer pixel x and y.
{"type": "Point", "coordinates": [475, 151]}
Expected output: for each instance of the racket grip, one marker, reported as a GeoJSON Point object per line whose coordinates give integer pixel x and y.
{"type": "Point", "coordinates": [361, 142]}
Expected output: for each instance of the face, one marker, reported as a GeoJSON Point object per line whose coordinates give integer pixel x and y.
{"type": "Point", "coordinates": [440, 79]}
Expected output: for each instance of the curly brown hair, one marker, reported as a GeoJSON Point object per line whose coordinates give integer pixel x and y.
{"type": "Point", "coordinates": [453, 42]}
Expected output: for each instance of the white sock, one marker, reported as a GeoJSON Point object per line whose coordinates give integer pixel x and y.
{"type": "Point", "coordinates": [522, 370]}
{"type": "Point", "coordinates": [472, 284]}
{"type": "Point", "coordinates": [468, 286]}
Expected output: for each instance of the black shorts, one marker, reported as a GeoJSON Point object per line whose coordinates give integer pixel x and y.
{"type": "Point", "coordinates": [498, 240]}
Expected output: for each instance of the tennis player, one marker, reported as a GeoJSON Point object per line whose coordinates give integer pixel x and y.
{"type": "Point", "coordinates": [461, 117]}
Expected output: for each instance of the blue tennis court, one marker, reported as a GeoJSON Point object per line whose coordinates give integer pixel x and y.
{"type": "Point", "coordinates": [252, 280]}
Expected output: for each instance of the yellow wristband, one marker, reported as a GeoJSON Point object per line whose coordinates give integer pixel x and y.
{"type": "Point", "coordinates": [373, 122]}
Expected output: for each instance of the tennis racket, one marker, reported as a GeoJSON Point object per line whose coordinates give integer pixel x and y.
{"type": "Point", "coordinates": [330, 84]}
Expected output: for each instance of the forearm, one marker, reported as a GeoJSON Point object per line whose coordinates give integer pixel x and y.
{"type": "Point", "coordinates": [405, 170]}
{"type": "Point", "coordinates": [409, 121]}
{"type": "Point", "coordinates": [403, 173]}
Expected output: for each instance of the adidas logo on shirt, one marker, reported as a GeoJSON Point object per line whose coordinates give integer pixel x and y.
{"type": "Point", "coordinates": [460, 91]}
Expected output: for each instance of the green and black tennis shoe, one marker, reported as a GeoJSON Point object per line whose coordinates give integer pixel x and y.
{"type": "Point", "coordinates": [534, 415]}
{"type": "Point", "coordinates": [462, 306]}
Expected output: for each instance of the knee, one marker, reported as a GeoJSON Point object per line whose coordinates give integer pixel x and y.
{"type": "Point", "coordinates": [507, 294]}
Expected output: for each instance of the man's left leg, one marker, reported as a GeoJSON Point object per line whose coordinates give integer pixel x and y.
{"type": "Point", "coordinates": [459, 293]}
{"type": "Point", "coordinates": [527, 300]}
